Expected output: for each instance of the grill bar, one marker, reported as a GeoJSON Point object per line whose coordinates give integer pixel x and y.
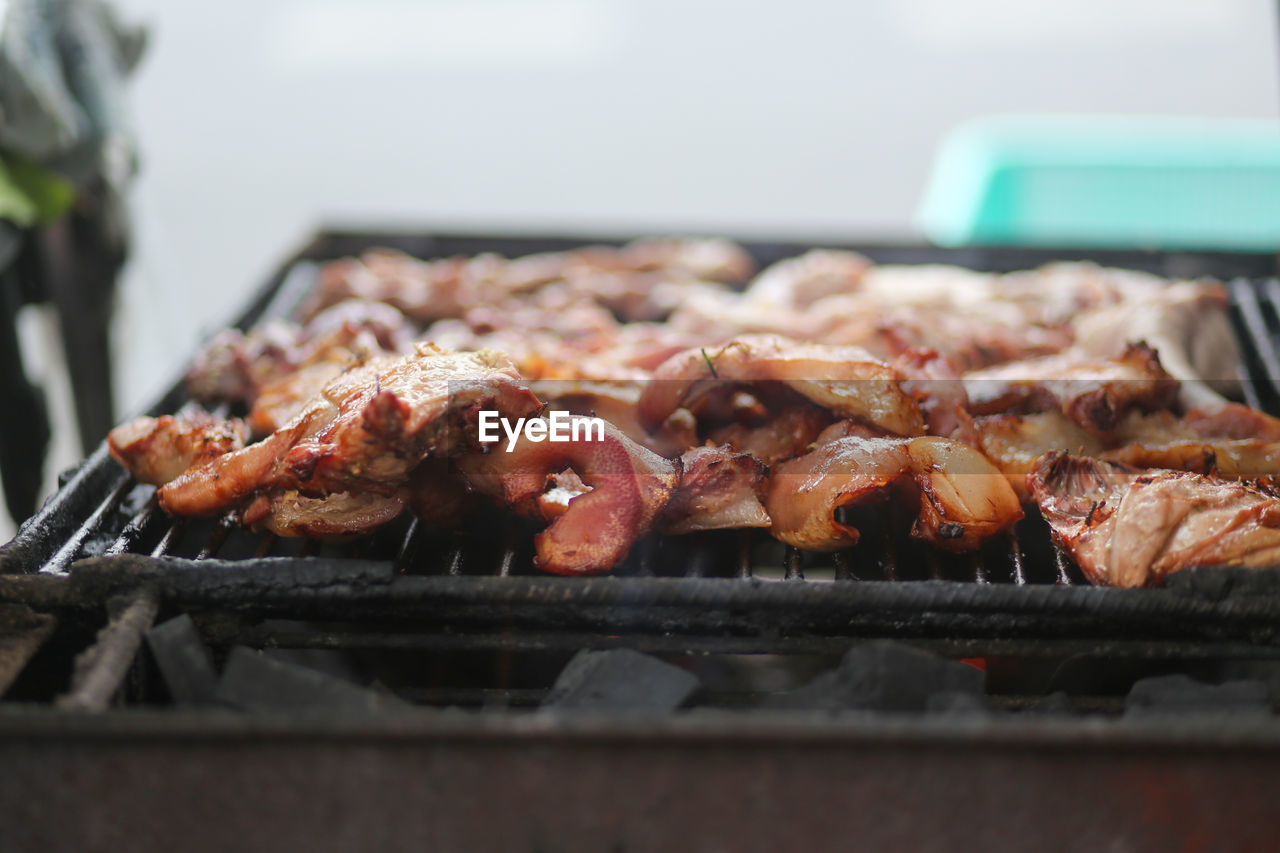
{"type": "Point", "coordinates": [62, 558]}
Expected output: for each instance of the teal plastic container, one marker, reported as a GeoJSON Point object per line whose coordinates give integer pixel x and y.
{"type": "Point", "coordinates": [1160, 183]}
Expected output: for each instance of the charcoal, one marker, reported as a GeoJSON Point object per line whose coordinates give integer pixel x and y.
{"type": "Point", "coordinates": [620, 680]}
{"type": "Point", "coordinates": [1058, 702]}
{"type": "Point", "coordinates": [884, 676]}
{"type": "Point", "coordinates": [184, 661]}
{"type": "Point", "coordinates": [958, 702]}
{"type": "Point", "coordinates": [257, 682]}
{"type": "Point", "coordinates": [1181, 694]}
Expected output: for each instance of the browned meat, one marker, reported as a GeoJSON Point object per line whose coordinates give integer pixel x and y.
{"type": "Point", "coordinates": [962, 497]}
{"type": "Point", "coordinates": [933, 381]}
{"type": "Point", "coordinates": [1015, 443]}
{"type": "Point", "coordinates": [438, 494]}
{"type": "Point", "coordinates": [366, 431]}
{"type": "Point", "coordinates": [616, 403]}
{"type": "Point", "coordinates": [238, 366]}
{"type": "Point", "coordinates": [846, 381]}
{"type": "Point", "coordinates": [1095, 394]}
{"type": "Point", "coordinates": [620, 279]}
{"type": "Point", "coordinates": [799, 282]}
{"type": "Point", "coordinates": [719, 488]}
{"type": "Point", "coordinates": [788, 426]}
{"type": "Point", "coordinates": [1127, 528]}
{"type": "Point", "coordinates": [1233, 420]}
{"type": "Point", "coordinates": [629, 487]}
{"type": "Point", "coordinates": [1197, 443]}
{"type": "Point", "coordinates": [336, 516]}
{"type": "Point", "coordinates": [157, 450]}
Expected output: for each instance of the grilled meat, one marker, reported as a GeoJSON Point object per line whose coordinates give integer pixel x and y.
{"type": "Point", "coordinates": [846, 381]}
{"type": "Point", "coordinates": [157, 450]}
{"type": "Point", "coordinates": [962, 498]}
{"type": "Point", "coordinates": [1196, 442]}
{"type": "Point", "coordinates": [1093, 393]}
{"type": "Point", "coordinates": [629, 488]}
{"type": "Point", "coordinates": [336, 516]}
{"type": "Point", "coordinates": [1129, 528]}
{"type": "Point", "coordinates": [366, 431]}
{"type": "Point", "coordinates": [719, 488]}
{"type": "Point", "coordinates": [236, 366]}
{"type": "Point", "coordinates": [826, 367]}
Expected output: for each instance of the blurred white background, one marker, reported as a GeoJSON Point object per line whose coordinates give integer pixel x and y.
{"type": "Point", "coordinates": [260, 121]}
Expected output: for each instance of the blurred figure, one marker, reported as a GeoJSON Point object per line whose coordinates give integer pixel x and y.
{"type": "Point", "coordinates": [66, 157]}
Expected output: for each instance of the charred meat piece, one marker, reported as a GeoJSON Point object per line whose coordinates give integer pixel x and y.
{"type": "Point", "coordinates": [366, 431]}
{"type": "Point", "coordinates": [846, 381]}
{"type": "Point", "coordinates": [1093, 393]}
{"type": "Point", "coordinates": [157, 450]}
{"type": "Point", "coordinates": [963, 500]}
{"type": "Point", "coordinates": [629, 488]}
{"type": "Point", "coordinates": [719, 488]}
{"type": "Point", "coordinates": [1128, 528]}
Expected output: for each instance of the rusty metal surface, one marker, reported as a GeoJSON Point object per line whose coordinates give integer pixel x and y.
{"type": "Point", "coordinates": [445, 782]}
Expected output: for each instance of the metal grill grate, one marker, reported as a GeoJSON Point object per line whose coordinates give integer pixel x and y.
{"type": "Point", "coordinates": [725, 590]}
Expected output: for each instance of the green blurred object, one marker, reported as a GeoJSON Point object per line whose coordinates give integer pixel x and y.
{"type": "Point", "coordinates": [1169, 183]}
{"type": "Point", "coordinates": [30, 194]}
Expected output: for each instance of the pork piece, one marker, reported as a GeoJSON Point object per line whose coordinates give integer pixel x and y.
{"type": "Point", "coordinates": [1233, 420]}
{"type": "Point", "coordinates": [422, 290]}
{"type": "Point", "coordinates": [365, 432]}
{"type": "Point", "coordinates": [337, 516]}
{"type": "Point", "coordinates": [1127, 528]}
{"type": "Point", "coordinates": [236, 366]}
{"type": "Point", "coordinates": [972, 340]}
{"type": "Point", "coordinates": [719, 488]}
{"type": "Point", "coordinates": [712, 316]}
{"type": "Point", "coordinates": [616, 402]}
{"type": "Point", "coordinates": [963, 500]}
{"type": "Point", "coordinates": [933, 381]}
{"type": "Point", "coordinates": [1197, 442]}
{"type": "Point", "coordinates": [618, 278]}
{"type": "Point", "coordinates": [1237, 442]}
{"type": "Point", "coordinates": [1015, 443]}
{"type": "Point", "coordinates": [846, 381]}
{"type": "Point", "coordinates": [799, 282]}
{"type": "Point", "coordinates": [786, 426]}
{"type": "Point", "coordinates": [562, 487]}
{"type": "Point", "coordinates": [438, 494]}
{"type": "Point", "coordinates": [1093, 393]}
{"type": "Point", "coordinates": [157, 450]}
{"type": "Point", "coordinates": [629, 487]}
{"type": "Point", "coordinates": [1187, 322]}
{"type": "Point", "coordinates": [694, 258]}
